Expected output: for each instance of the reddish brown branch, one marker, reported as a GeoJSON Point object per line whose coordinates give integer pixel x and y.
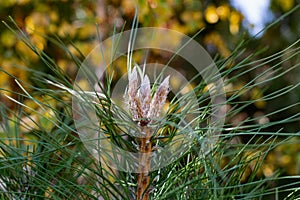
{"type": "Point", "coordinates": [145, 149]}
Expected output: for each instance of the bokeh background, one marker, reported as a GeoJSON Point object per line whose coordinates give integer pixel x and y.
{"type": "Point", "coordinates": [225, 24]}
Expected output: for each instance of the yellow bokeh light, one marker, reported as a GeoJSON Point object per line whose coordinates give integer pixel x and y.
{"type": "Point", "coordinates": [268, 170]}
{"type": "Point", "coordinates": [66, 29]}
{"type": "Point", "coordinates": [235, 20]}
{"type": "Point", "coordinates": [285, 160]}
{"type": "Point", "coordinates": [234, 28]}
{"type": "Point", "coordinates": [63, 64]}
{"type": "Point", "coordinates": [29, 22]}
{"type": "Point", "coordinates": [7, 39]}
{"type": "Point", "coordinates": [26, 51]}
{"type": "Point", "coordinates": [39, 42]}
{"type": "Point", "coordinates": [223, 11]}
{"type": "Point", "coordinates": [286, 4]}
{"type": "Point", "coordinates": [211, 15]}
{"type": "Point", "coordinates": [257, 95]}
{"type": "Point", "coordinates": [83, 85]}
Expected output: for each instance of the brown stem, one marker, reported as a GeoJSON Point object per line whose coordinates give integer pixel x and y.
{"type": "Point", "coordinates": [145, 149]}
